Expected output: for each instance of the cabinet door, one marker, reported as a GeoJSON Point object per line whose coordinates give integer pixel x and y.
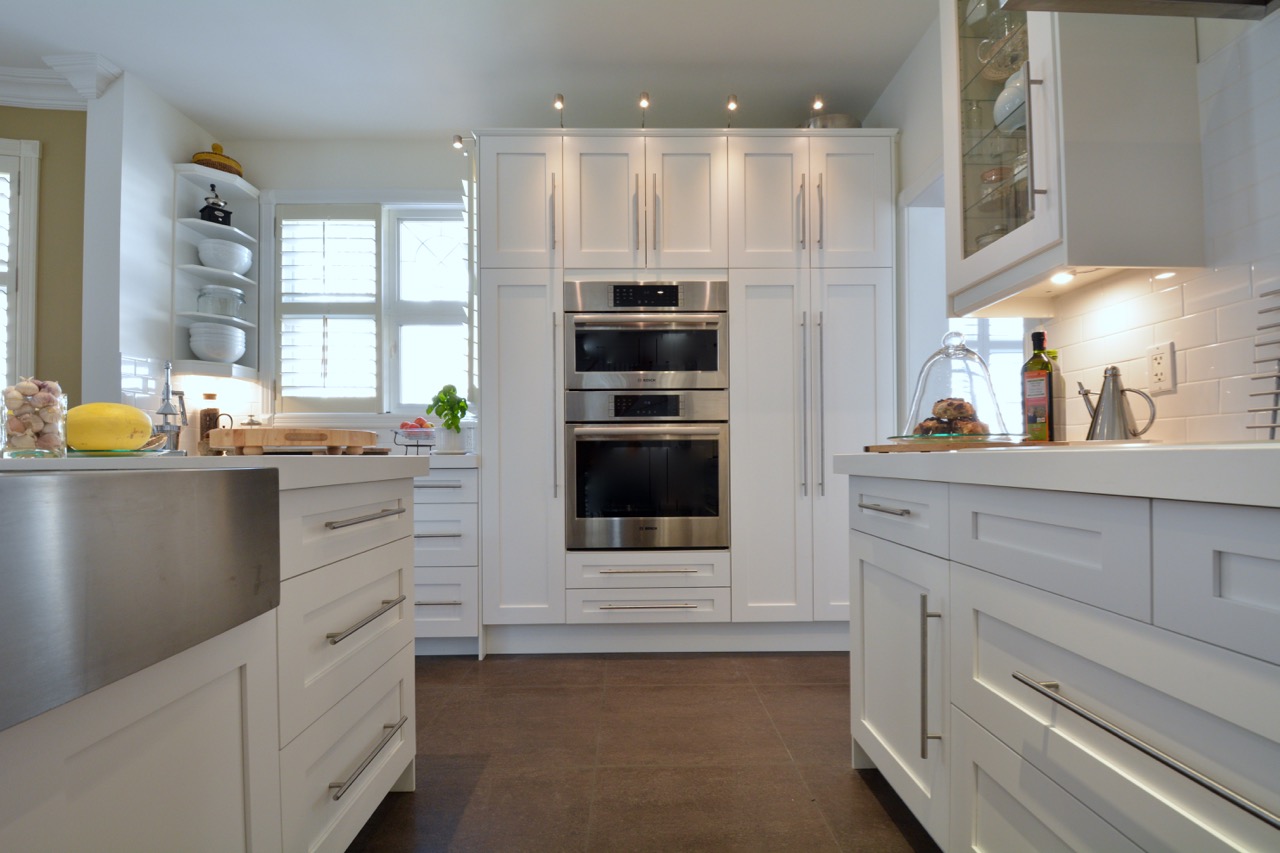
{"type": "Point", "coordinates": [769, 506]}
{"type": "Point", "coordinates": [520, 188]}
{"type": "Point", "coordinates": [687, 194]}
{"type": "Point", "coordinates": [1000, 802]}
{"type": "Point", "coordinates": [898, 677]}
{"type": "Point", "coordinates": [522, 490]}
{"type": "Point", "coordinates": [851, 207]}
{"type": "Point", "coordinates": [851, 388]}
{"type": "Point", "coordinates": [604, 217]}
{"type": "Point", "coordinates": [768, 205]}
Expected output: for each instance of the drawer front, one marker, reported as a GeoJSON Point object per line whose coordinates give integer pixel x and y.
{"type": "Point", "coordinates": [1216, 574]}
{"type": "Point", "coordinates": [909, 512]}
{"type": "Point", "coordinates": [446, 535]}
{"type": "Point", "coordinates": [1000, 802]}
{"type": "Point", "coordinates": [647, 605]}
{"type": "Point", "coordinates": [446, 601]}
{"type": "Point", "coordinates": [1093, 548]}
{"type": "Point", "coordinates": [620, 570]}
{"type": "Point", "coordinates": [328, 643]}
{"type": "Point", "coordinates": [323, 525]}
{"type": "Point", "coordinates": [447, 486]}
{"type": "Point", "coordinates": [360, 741]}
{"type": "Point", "coordinates": [1210, 709]}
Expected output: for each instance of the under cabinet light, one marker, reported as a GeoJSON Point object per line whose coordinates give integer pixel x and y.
{"type": "Point", "coordinates": [1164, 275]}
{"type": "Point", "coordinates": [457, 141]}
{"type": "Point", "coordinates": [1061, 277]}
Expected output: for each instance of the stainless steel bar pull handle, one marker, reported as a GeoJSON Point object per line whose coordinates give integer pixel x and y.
{"type": "Point", "coordinates": [673, 571]}
{"type": "Point", "coordinates": [637, 211]}
{"type": "Point", "coordinates": [1032, 190]}
{"type": "Point", "coordinates": [389, 733]}
{"type": "Point", "coordinates": [437, 603]}
{"type": "Point", "coordinates": [925, 615]}
{"type": "Point", "coordinates": [648, 607]}
{"type": "Point", "coordinates": [457, 535]}
{"type": "Point", "coordinates": [441, 484]}
{"type": "Point", "coordinates": [804, 403]}
{"type": "Point", "coordinates": [804, 213]}
{"type": "Point", "coordinates": [555, 443]}
{"type": "Point", "coordinates": [655, 211]}
{"type": "Point", "coordinates": [373, 516]}
{"type": "Point", "coordinates": [1047, 688]}
{"type": "Point", "coordinates": [553, 211]}
{"type": "Point", "coordinates": [387, 605]}
{"type": "Point", "coordinates": [822, 212]}
{"type": "Point", "coordinates": [822, 413]}
{"type": "Point", "coordinates": [887, 510]}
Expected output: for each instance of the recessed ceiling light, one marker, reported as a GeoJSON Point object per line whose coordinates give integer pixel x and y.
{"type": "Point", "coordinates": [1165, 275]}
{"type": "Point", "coordinates": [1061, 277]}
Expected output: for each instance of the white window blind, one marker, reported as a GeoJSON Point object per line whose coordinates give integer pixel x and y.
{"type": "Point", "coordinates": [328, 308]}
{"type": "Point", "coordinates": [6, 269]}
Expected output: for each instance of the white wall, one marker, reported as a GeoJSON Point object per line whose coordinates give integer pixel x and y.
{"type": "Point", "coordinates": [1210, 315]}
{"type": "Point", "coordinates": [133, 138]}
{"type": "Point", "coordinates": [912, 102]}
{"type": "Point", "coordinates": [402, 167]}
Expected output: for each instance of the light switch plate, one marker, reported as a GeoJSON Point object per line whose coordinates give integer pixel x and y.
{"type": "Point", "coordinates": [1160, 372]}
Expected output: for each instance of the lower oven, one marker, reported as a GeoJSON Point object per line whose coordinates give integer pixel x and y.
{"type": "Point", "coordinates": [647, 469]}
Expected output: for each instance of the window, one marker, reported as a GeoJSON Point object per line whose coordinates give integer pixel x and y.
{"type": "Point", "coordinates": [375, 307]}
{"type": "Point", "coordinates": [1000, 343]}
{"type": "Point", "coordinates": [19, 181]}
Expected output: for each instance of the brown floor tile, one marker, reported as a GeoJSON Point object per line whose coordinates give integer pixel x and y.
{"type": "Point", "coordinates": [451, 671]}
{"type": "Point", "coordinates": [864, 813]}
{"type": "Point", "coordinates": [541, 670]}
{"type": "Point", "coordinates": [555, 726]}
{"type": "Point", "coordinates": [640, 740]}
{"type": "Point", "coordinates": [799, 668]}
{"type": "Point", "coordinates": [681, 701]}
{"type": "Point", "coordinates": [673, 669]}
{"type": "Point", "coordinates": [709, 808]}
{"type": "Point", "coordinates": [813, 720]}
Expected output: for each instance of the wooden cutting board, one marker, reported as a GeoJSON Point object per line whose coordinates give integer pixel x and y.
{"type": "Point", "coordinates": [254, 441]}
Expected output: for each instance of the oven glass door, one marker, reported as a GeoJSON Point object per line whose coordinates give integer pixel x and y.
{"type": "Point", "coordinates": [651, 486]}
{"type": "Point", "coordinates": [646, 351]}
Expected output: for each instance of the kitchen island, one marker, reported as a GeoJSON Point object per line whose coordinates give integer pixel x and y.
{"type": "Point", "coordinates": [1074, 647]}
{"type": "Point", "coordinates": [282, 733]}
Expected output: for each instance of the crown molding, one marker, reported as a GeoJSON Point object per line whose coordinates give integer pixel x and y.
{"type": "Point", "coordinates": [88, 73]}
{"type": "Point", "coordinates": [74, 80]}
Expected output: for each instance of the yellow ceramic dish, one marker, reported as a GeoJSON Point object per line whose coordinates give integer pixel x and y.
{"type": "Point", "coordinates": [215, 159]}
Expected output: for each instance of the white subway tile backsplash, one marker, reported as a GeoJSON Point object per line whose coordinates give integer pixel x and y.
{"type": "Point", "coordinates": [1220, 287]}
{"type": "Point", "coordinates": [1266, 275]}
{"type": "Point", "coordinates": [1066, 331]}
{"type": "Point", "coordinates": [1234, 396]}
{"type": "Point", "coordinates": [1151, 308]}
{"type": "Point", "coordinates": [1190, 398]}
{"type": "Point", "coordinates": [1234, 358]}
{"type": "Point", "coordinates": [1219, 428]}
{"type": "Point", "coordinates": [1113, 349]}
{"type": "Point", "coordinates": [1121, 287]}
{"type": "Point", "coordinates": [1244, 244]}
{"type": "Point", "coordinates": [1239, 320]}
{"type": "Point", "coordinates": [1192, 330]}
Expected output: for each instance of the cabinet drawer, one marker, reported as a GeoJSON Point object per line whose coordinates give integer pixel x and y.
{"type": "Point", "coordinates": [1093, 548]}
{"type": "Point", "coordinates": [1210, 709]}
{"type": "Point", "coordinates": [648, 605]}
{"type": "Point", "coordinates": [1000, 802]}
{"type": "Point", "coordinates": [630, 569]}
{"type": "Point", "coordinates": [326, 645]}
{"type": "Point", "coordinates": [446, 602]}
{"type": "Point", "coordinates": [325, 524]}
{"type": "Point", "coordinates": [446, 535]}
{"type": "Point", "coordinates": [374, 723]}
{"type": "Point", "coordinates": [1217, 574]}
{"type": "Point", "coordinates": [447, 485]}
{"type": "Point", "coordinates": [909, 512]}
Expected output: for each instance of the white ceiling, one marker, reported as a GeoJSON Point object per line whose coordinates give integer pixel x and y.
{"type": "Point", "coordinates": [352, 69]}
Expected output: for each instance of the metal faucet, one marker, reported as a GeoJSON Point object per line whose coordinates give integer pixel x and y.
{"type": "Point", "coordinates": [171, 431]}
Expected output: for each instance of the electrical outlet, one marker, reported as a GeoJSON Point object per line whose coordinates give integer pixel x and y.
{"type": "Point", "coordinates": [1160, 368]}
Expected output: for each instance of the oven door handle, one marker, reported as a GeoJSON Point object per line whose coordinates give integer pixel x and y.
{"type": "Point", "coordinates": [632, 430]}
{"type": "Point", "coordinates": [630, 321]}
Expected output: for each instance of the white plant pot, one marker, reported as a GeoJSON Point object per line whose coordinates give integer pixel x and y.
{"type": "Point", "coordinates": [448, 441]}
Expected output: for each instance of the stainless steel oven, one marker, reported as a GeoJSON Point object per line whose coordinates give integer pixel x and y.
{"type": "Point", "coordinates": [647, 469]}
{"type": "Point", "coordinates": [659, 334]}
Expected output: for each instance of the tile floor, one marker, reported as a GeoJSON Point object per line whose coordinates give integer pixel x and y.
{"type": "Point", "coordinates": [645, 752]}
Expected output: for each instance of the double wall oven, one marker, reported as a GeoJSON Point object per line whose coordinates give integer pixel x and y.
{"type": "Point", "coordinates": [646, 414]}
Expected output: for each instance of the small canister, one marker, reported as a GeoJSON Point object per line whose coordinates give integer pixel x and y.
{"type": "Point", "coordinates": [220, 299]}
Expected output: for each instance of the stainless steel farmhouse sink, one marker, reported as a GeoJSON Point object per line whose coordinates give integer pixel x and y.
{"type": "Point", "coordinates": [105, 572]}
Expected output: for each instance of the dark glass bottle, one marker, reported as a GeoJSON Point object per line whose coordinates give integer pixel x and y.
{"type": "Point", "coordinates": [1037, 393]}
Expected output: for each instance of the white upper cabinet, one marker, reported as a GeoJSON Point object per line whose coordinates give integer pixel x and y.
{"type": "Point", "coordinates": [1069, 141]}
{"type": "Point", "coordinates": [635, 202]}
{"type": "Point", "coordinates": [810, 201]}
{"type": "Point", "coordinates": [520, 207]}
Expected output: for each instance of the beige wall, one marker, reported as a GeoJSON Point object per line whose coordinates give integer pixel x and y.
{"type": "Point", "coordinates": [59, 257]}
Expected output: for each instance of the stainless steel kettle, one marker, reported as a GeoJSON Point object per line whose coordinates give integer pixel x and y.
{"type": "Point", "coordinates": [1111, 421]}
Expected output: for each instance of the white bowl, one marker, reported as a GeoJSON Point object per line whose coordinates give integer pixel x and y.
{"type": "Point", "coordinates": [216, 330]}
{"type": "Point", "coordinates": [225, 255]}
{"type": "Point", "coordinates": [213, 350]}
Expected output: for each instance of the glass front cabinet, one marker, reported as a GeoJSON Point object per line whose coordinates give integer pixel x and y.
{"type": "Point", "coordinates": [1059, 133]}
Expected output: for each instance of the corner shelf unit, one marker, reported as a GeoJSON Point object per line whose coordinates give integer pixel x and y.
{"type": "Point", "coordinates": [191, 186]}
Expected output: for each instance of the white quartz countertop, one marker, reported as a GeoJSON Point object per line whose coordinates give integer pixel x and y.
{"type": "Point", "coordinates": [296, 471]}
{"type": "Point", "coordinates": [1241, 473]}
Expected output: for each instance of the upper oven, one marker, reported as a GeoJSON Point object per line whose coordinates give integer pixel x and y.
{"type": "Point", "coordinates": [662, 334]}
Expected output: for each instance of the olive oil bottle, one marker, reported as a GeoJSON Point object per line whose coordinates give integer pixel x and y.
{"type": "Point", "coordinates": [1037, 393]}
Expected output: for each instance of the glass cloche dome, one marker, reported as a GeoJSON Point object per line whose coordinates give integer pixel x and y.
{"type": "Point", "coordinates": [954, 396]}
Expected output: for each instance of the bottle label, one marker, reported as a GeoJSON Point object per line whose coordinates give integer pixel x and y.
{"type": "Point", "coordinates": [1036, 389]}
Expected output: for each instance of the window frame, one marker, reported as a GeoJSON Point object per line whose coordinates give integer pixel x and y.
{"type": "Point", "coordinates": [21, 356]}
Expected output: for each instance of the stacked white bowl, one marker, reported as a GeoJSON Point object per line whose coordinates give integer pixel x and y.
{"type": "Point", "coordinates": [216, 342]}
{"type": "Point", "coordinates": [225, 255]}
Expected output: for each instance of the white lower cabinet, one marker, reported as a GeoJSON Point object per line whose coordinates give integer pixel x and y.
{"type": "Point", "coordinates": [898, 674]}
{"type": "Point", "coordinates": [1002, 803]}
{"type": "Point", "coordinates": [653, 604]}
{"type": "Point", "coordinates": [446, 553]}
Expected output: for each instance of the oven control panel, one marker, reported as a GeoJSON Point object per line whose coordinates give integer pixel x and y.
{"type": "Point", "coordinates": [666, 295]}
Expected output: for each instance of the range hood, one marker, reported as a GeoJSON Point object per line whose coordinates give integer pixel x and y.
{"type": "Point", "coordinates": [1247, 9]}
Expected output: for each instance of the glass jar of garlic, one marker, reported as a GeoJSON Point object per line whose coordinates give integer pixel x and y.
{"type": "Point", "coordinates": [35, 419]}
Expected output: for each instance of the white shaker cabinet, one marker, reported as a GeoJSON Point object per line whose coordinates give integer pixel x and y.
{"type": "Point", "coordinates": [1100, 168]}
{"type": "Point", "coordinates": [446, 553]}
{"type": "Point", "coordinates": [810, 377]}
{"type": "Point", "coordinates": [645, 201]}
{"type": "Point", "coordinates": [821, 201]}
{"type": "Point", "coordinates": [520, 201]}
{"type": "Point", "coordinates": [522, 490]}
